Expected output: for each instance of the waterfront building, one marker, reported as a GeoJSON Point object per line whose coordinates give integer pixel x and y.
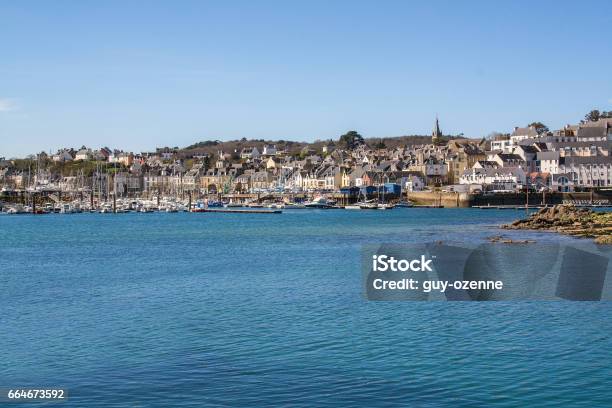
{"type": "Point", "coordinates": [500, 179]}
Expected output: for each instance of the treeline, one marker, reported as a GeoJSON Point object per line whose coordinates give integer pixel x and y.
{"type": "Point", "coordinates": [349, 140]}
{"type": "Point", "coordinates": [595, 115]}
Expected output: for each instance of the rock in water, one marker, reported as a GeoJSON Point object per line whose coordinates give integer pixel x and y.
{"type": "Point", "coordinates": [568, 219]}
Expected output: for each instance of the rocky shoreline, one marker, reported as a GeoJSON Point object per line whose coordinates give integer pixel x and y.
{"type": "Point", "coordinates": [570, 220]}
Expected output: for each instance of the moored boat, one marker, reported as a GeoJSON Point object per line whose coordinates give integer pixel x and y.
{"type": "Point", "coordinates": [319, 202]}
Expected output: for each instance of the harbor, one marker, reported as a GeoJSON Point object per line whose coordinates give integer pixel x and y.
{"type": "Point", "coordinates": [40, 204]}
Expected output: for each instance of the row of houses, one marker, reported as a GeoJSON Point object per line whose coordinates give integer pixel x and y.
{"type": "Point", "coordinates": [575, 157]}
{"type": "Point", "coordinates": [570, 158]}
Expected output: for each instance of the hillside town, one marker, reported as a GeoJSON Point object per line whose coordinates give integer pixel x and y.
{"type": "Point", "coordinates": [574, 158]}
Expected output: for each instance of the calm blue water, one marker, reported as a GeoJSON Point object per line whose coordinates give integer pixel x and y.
{"type": "Point", "coordinates": [267, 310]}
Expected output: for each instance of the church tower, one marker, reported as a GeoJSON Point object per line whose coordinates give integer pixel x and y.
{"type": "Point", "coordinates": [436, 135]}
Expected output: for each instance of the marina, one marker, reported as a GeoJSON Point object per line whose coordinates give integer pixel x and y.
{"type": "Point", "coordinates": [254, 206]}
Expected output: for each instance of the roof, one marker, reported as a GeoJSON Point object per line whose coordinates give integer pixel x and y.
{"type": "Point", "coordinates": [548, 155]}
{"type": "Point", "coordinates": [510, 156]}
{"type": "Point", "coordinates": [591, 131]}
{"type": "Point", "coordinates": [588, 160]}
{"type": "Point", "coordinates": [525, 131]}
{"type": "Point", "coordinates": [603, 122]}
{"type": "Point", "coordinates": [529, 149]}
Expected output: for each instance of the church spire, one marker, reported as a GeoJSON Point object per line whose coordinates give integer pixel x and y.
{"type": "Point", "coordinates": [436, 135]}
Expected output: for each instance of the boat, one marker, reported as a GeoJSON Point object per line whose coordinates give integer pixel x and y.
{"type": "Point", "coordinates": [404, 204]}
{"type": "Point", "coordinates": [16, 209]}
{"type": "Point", "coordinates": [276, 205]}
{"type": "Point", "coordinates": [352, 207]}
{"type": "Point", "coordinates": [66, 209]}
{"type": "Point", "coordinates": [106, 208]}
{"type": "Point", "coordinates": [319, 202]}
{"type": "Point", "coordinates": [295, 205]}
{"type": "Point", "coordinates": [368, 205]}
{"type": "Point", "coordinates": [385, 206]}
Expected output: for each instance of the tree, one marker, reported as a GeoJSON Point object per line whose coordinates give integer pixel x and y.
{"type": "Point", "coordinates": [351, 139]}
{"type": "Point", "coordinates": [539, 127]}
{"type": "Point", "coordinates": [593, 116]}
{"type": "Point", "coordinates": [381, 144]}
{"type": "Point", "coordinates": [206, 162]}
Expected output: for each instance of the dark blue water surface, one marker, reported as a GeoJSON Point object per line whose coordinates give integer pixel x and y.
{"type": "Point", "coordinates": [267, 310]}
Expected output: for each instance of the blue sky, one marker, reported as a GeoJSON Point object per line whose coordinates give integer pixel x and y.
{"type": "Point", "coordinates": [136, 75]}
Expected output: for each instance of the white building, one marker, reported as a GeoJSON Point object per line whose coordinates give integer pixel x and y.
{"type": "Point", "coordinates": [269, 150]}
{"type": "Point", "coordinates": [250, 153]}
{"type": "Point", "coordinates": [502, 178]}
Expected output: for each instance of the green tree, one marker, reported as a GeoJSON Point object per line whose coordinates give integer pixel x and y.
{"type": "Point", "coordinates": [351, 139]}
{"type": "Point", "coordinates": [593, 116]}
{"type": "Point", "coordinates": [539, 127]}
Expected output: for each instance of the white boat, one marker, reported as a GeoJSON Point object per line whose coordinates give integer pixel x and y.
{"type": "Point", "coordinates": [352, 207]}
{"type": "Point", "coordinates": [319, 202]}
{"type": "Point", "coordinates": [66, 209]}
{"type": "Point", "coordinates": [106, 208]}
{"type": "Point", "coordinates": [385, 206]}
{"type": "Point", "coordinates": [16, 209]}
{"type": "Point", "coordinates": [276, 205]}
{"type": "Point", "coordinates": [368, 205]}
{"type": "Point", "coordinates": [404, 204]}
{"type": "Point", "coordinates": [295, 205]}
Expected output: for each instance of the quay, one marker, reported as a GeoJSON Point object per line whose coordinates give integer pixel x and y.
{"type": "Point", "coordinates": [237, 211]}
{"type": "Point", "coordinates": [535, 207]}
